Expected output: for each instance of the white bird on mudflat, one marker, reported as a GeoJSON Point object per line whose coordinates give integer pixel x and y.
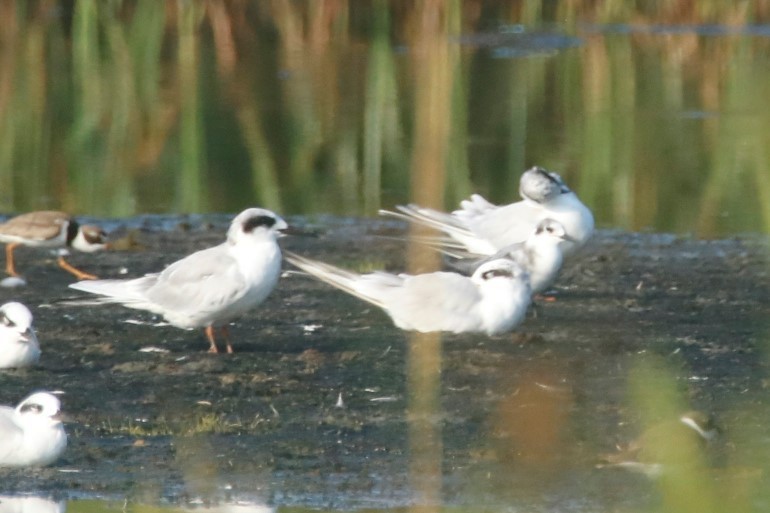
{"type": "Point", "coordinates": [493, 300]}
{"type": "Point", "coordinates": [50, 229]}
{"type": "Point", "coordinates": [18, 343]}
{"type": "Point", "coordinates": [540, 255]}
{"type": "Point", "coordinates": [484, 229]}
{"type": "Point", "coordinates": [211, 287]}
{"type": "Point", "coordinates": [32, 433]}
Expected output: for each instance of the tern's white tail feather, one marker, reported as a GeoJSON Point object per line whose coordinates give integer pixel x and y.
{"type": "Point", "coordinates": [364, 287]}
{"type": "Point", "coordinates": [473, 207]}
{"type": "Point", "coordinates": [451, 225]}
{"type": "Point", "coordinates": [425, 216]}
{"type": "Point", "coordinates": [118, 291]}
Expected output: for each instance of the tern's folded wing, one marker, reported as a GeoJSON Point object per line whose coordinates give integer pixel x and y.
{"type": "Point", "coordinates": [10, 434]}
{"type": "Point", "coordinates": [201, 282]}
{"type": "Point", "coordinates": [436, 302]}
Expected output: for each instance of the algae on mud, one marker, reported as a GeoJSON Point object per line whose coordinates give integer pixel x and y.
{"type": "Point", "coordinates": [311, 409]}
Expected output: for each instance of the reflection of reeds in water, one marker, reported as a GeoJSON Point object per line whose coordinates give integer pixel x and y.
{"type": "Point", "coordinates": [114, 108]}
{"type": "Point", "coordinates": [434, 65]}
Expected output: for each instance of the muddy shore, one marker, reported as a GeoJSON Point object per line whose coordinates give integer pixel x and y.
{"type": "Point", "coordinates": [174, 422]}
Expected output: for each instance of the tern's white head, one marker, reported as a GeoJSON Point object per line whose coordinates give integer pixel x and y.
{"type": "Point", "coordinates": [17, 319]}
{"type": "Point", "coordinates": [40, 409]}
{"type": "Point", "coordinates": [540, 185]}
{"type": "Point", "coordinates": [499, 269]}
{"type": "Point", "coordinates": [255, 224]}
{"type": "Point", "coordinates": [550, 232]}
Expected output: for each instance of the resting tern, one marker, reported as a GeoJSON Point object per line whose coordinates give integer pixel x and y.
{"type": "Point", "coordinates": [493, 300]}
{"type": "Point", "coordinates": [540, 255]}
{"type": "Point", "coordinates": [32, 433]}
{"type": "Point", "coordinates": [18, 344]}
{"type": "Point", "coordinates": [484, 229]}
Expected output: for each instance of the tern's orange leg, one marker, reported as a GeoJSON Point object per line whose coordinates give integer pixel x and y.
{"type": "Point", "coordinates": [226, 334]}
{"type": "Point", "coordinates": [77, 272]}
{"type": "Point", "coordinates": [9, 267]}
{"type": "Point", "coordinates": [209, 330]}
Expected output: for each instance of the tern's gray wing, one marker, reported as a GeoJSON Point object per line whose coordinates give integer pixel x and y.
{"type": "Point", "coordinates": [468, 264]}
{"type": "Point", "coordinates": [506, 225]}
{"type": "Point", "coordinates": [201, 282]}
{"type": "Point", "coordinates": [10, 434]}
{"type": "Point", "coordinates": [435, 302]}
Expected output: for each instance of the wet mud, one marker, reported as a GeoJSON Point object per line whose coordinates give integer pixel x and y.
{"type": "Point", "coordinates": [312, 408]}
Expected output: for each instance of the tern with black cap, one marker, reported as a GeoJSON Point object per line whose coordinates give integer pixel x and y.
{"type": "Point", "coordinates": [211, 287]}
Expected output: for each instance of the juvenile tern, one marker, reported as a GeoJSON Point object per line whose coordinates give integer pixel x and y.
{"type": "Point", "coordinates": [484, 229]}
{"type": "Point", "coordinates": [493, 300]}
{"type": "Point", "coordinates": [540, 255]}
{"type": "Point", "coordinates": [32, 433]}
{"type": "Point", "coordinates": [211, 287]}
{"type": "Point", "coordinates": [50, 229]}
{"type": "Point", "coordinates": [18, 343]}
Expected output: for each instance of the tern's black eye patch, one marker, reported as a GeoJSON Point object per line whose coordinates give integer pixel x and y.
{"type": "Point", "coordinates": [255, 222]}
{"type": "Point", "coordinates": [31, 407]}
{"type": "Point", "coordinates": [549, 176]}
{"type": "Point", "coordinates": [493, 273]}
{"type": "Point", "coordinates": [6, 321]}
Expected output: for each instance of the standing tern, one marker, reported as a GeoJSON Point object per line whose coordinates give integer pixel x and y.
{"type": "Point", "coordinates": [211, 287]}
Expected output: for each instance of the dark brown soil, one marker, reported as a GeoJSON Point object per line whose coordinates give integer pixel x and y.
{"type": "Point", "coordinates": [265, 422]}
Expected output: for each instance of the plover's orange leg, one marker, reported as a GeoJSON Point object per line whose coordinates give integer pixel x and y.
{"type": "Point", "coordinates": [77, 272]}
{"type": "Point", "coordinates": [209, 330]}
{"type": "Point", "coordinates": [9, 267]}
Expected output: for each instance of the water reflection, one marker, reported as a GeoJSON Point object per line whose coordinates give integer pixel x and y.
{"type": "Point", "coordinates": [305, 107]}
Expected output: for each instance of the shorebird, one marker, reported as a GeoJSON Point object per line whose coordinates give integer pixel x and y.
{"type": "Point", "coordinates": [50, 229]}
